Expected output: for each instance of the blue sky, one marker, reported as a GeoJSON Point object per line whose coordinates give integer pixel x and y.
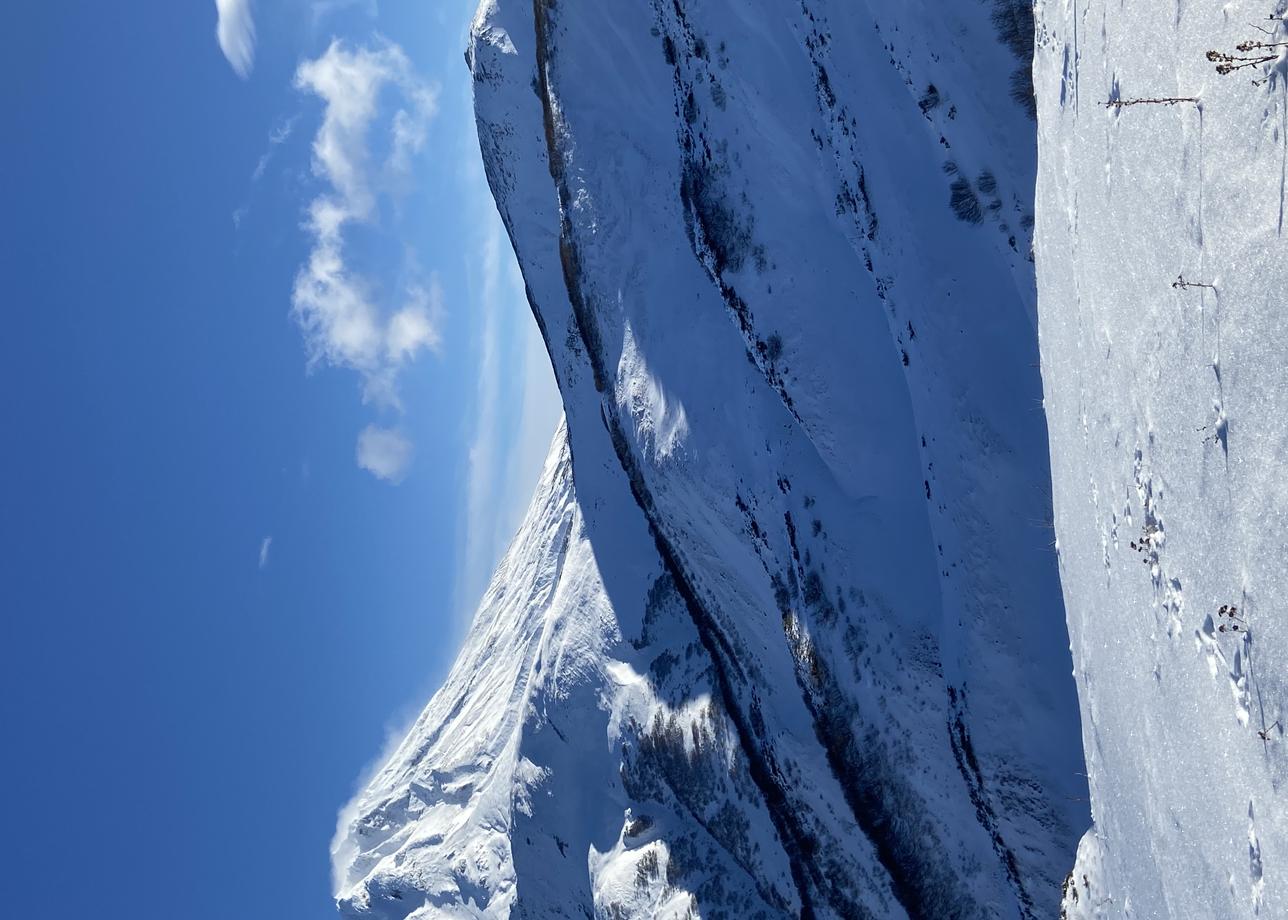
{"type": "Point", "coordinates": [273, 406]}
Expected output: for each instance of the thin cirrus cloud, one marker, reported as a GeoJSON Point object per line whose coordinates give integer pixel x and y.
{"type": "Point", "coordinates": [236, 33]}
{"type": "Point", "coordinates": [517, 409]}
{"type": "Point", "coordinates": [336, 307]}
{"type": "Point", "coordinates": [279, 135]}
{"type": "Point", "coordinates": [264, 546]}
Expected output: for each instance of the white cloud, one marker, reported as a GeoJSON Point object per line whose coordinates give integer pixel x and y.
{"type": "Point", "coordinates": [349, 82]}
{"type": "Point", "coordinates": [338, 310]}
{"type": "Point", "coordinates": [236, 34]}
{"type": "Point", "coordinates": [415, 326]}
{"type": "Point", "coordinates": [384, 452]}
{"type": "Point", "coordinates": [341, 324]}
{"type": "Point", "coordinates": [407, 135]}
{"type": "Point", "coordinates": [263, 552]}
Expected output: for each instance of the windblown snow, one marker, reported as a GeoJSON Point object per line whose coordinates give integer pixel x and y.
{"type": "Point", "coordinates": [782, 634]}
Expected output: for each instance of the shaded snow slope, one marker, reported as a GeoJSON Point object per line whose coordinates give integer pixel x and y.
{"type": "Point", "coordinates": [1168, 407]}
{"type": "Point", "coordinates": [793, 644]}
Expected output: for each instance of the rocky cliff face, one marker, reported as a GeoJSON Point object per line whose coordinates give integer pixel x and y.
{"type": "Point", "coordinates": [782, 634]}
{"type": "Point", "coordinates": [1160, 258]}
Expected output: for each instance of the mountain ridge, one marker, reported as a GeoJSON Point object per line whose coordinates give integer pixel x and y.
{"type": "Point", "coordinates": [804, 643]}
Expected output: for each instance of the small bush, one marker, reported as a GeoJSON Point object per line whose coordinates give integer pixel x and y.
{"type": "Point", "coordinates": [964, 203]}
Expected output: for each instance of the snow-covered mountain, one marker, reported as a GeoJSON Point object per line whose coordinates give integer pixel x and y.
{"type": "Point", "coordinates": [1160, 261]}
{"type": "Point", "coordinates": [782, 633]}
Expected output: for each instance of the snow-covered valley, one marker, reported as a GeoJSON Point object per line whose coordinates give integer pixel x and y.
{"type": "Point", "coordinates": [784, 631]}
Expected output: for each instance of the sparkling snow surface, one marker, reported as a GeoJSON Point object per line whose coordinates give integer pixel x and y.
{"type": "Point", "coordinates": [1168, 410]}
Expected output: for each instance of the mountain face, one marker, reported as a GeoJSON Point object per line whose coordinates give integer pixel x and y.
{"type": "Point", "coordinates": [782, 633]}
{"type": "Point", "coordinates": [1160, 262]}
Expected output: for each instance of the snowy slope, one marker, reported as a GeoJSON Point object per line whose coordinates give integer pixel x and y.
{"type": "Point", "coordinates": [793, 643]}
{"type": "Point", "coordinates": [1168, 408]}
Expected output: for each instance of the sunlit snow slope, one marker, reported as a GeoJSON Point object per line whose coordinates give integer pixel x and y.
{"type": "Point", "coordinates": [1161, 265]}
{"type": "Point", "coordinates": [782, 634]}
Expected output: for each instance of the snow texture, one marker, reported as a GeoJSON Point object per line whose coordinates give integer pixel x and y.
{"type": "Point", "coordinates": [782, 633]}
{"type": "Point", "coordinates": [1160, 261]}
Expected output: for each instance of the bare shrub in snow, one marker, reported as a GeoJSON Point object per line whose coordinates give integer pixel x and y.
{"type": "Point", "coordinates": [1155, 100]}
{"type": "Point", "coordinates": [1248, 54]}
{"type": "Point", "coordinates": [1230, 613]}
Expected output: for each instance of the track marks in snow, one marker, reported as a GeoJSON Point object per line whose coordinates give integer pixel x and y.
{"type": "Point", "coordinates": [1173, 602]}
{"type": "Point", "coordinates": [1256, 870]}
{"type": "Point", "coordinates": [1236, 666]}
{"type": "Point", "coordinates": [1220, 426]}
{"type": "Point", "coordinates": [1168, 590]}
{"type": "Point", "coordinates": [1283, 152]}
{"type": "Point", "coordinates": [1076, 56]}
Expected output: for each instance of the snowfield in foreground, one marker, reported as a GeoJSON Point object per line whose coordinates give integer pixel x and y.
{"type": "Point", "coordinates": [1161, 274]}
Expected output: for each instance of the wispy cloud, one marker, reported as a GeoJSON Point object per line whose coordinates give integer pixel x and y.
{"type": "Point", "coordinates": [276, 137]}
{"type": "Point", "coordinates": [337, 308]}
{"type": "Point", "coordinates": [236, 33]}
{"type": "Point", "coordinates": [517, 409]}
{"type": "Point", "coordinates": [415, 326]}
{"type": "Point", "coordinates": [385, 452]}
{"type": "Point", "coordinates": [279, 134]}
{"type": "Point", "coordinates": [263, 552]}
